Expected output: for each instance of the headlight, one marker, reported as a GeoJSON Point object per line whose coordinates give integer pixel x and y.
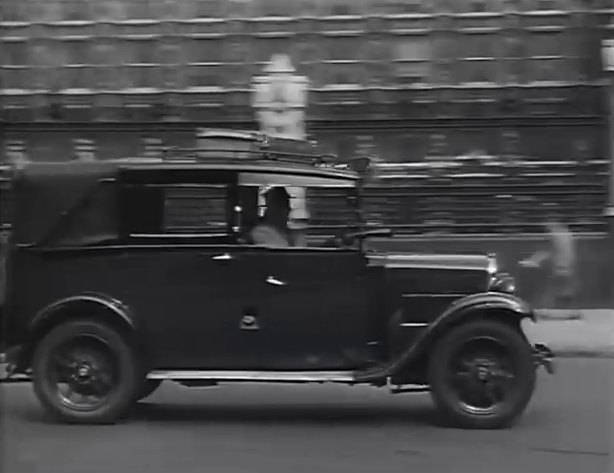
{"type": "Point", "coordinates": [503, 283]}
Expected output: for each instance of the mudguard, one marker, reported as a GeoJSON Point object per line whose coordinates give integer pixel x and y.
{"type": "Point", "coordinates": [487, 303]}
{"type": "Point", "coordinates": [54, 311]}
{"type": "Point", "coordinates": [101, 300]}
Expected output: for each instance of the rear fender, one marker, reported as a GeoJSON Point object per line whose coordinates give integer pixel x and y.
{"type": "Point", "coordinates": [94, 306]}
{"type": "Point", "coordinates": [499, 306]}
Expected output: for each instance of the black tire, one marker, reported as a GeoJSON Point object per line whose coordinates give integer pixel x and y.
{"type": "Point", "coordinates": [148, 387]}
{"type": "Point", "coordinates": [93, 341]}
{"type": "Point", "coordinates": [502, 342]}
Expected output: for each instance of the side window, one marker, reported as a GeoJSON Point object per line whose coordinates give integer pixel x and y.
{"type": "Point", "coordinates": [312, 213]}
{"type": "Point", "coordinates": [173, 210]}
{"type": "Point", "coordinates": [201, 210]}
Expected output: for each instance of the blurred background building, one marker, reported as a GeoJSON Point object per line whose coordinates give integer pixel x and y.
{"type": "Point", "coordinates": [514, 85]}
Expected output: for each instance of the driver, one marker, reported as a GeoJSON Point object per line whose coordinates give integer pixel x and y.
{"type": "Point", "coordinates": [273, 228]}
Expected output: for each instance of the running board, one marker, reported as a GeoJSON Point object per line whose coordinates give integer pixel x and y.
{"type": "Point", "coordinates": [262, 376]}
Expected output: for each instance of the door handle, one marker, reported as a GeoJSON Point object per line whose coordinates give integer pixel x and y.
{"type": "Point", "coordinates": [274, 281]}
{"type": "Point", "coordinates": [224, 257]}
{"type": "Point", "coordinates": [249, 322]}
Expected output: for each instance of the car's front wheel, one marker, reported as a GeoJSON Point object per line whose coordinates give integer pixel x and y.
{"type": "Point", "coordinates": [482, 374]}
{"type": "Point", "coordinates": [85, 371]}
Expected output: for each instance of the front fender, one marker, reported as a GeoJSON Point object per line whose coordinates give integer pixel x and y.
{"type": "Point", "coordinates": [487, 304]}
{"type": "Point", "coordinates": [508, 303]}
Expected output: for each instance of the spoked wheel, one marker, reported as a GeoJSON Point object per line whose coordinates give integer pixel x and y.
{"type": "Point", "coordinates": [84, 371]}
{"type": "Point", "coordinates": [482, 374]}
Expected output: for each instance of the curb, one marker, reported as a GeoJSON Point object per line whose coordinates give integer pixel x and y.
{"type": "Point", "coordinates": [541, 317]}
{"type": "Point", "coordinates": [583, 353]}
{"type": "Point", "coordinates": [14, 380]}
{"type": "Point", "coordinates": [566, 315]}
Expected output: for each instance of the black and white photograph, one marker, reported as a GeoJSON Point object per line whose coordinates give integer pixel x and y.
{"type": "Point", "coordinates": [319, 236]}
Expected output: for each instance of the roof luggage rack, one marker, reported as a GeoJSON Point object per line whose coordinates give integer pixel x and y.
{"type": "Point", "coordinates": [220, 144]}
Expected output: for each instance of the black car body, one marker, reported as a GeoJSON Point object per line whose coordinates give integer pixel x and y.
{"type": "Point", "coordinates": [111, 290]}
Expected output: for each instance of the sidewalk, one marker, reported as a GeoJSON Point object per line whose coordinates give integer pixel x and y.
{"type": "Point", "coordinates": [590, 336]}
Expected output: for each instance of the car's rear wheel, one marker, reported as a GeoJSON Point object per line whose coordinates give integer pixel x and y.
{"type": "Point", "coordinates": [482, 374]}
{"type": "Point", "coordinates": [85, 372]}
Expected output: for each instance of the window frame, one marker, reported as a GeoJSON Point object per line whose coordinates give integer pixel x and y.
{"type": "Point", "coordinates": [233, 180]}
{"type": "Point", "coordinates": [140, 179]}
{"type": "Point", "coordinates": [258, 180]}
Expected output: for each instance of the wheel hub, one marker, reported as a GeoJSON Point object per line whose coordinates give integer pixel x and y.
{"type": "Point", "coordinates": [482, 381]}
{"type": "Point", "coordinates": [83, 372]}
{"type": "Point", "coordinates": [483, 370]}
{"type": "Point", "coordinates": [483, 373]}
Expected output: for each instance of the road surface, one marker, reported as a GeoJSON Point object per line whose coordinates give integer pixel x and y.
{"type": "Point", "coordinates": [319, 429]}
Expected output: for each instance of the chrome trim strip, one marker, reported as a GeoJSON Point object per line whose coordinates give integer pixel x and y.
{"type": "Point", "coordinates": [170, 235]}
{"type": "Point", "coordinates": [241, 135]}
{"type": "Point", "coordinates": [299, 376]}
{"type": "Point", "coordinates": [414, 324]}
{"type": "Point", "coordinates": [432, 266]}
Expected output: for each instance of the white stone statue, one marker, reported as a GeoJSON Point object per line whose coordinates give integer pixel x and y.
{"type": "Point", "coordinates": [279, 99]}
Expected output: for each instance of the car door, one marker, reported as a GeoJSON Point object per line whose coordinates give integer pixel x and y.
{"type": "Point", "coordinates": [202, 296]}
{"type": "Point", "coordinates": [312, 309]}
{"type": "Point", "coordinates": [189, 283]}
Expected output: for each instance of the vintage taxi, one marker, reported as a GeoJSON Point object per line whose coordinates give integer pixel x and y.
{"type": "Point", "coordinates": [123, 274]}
